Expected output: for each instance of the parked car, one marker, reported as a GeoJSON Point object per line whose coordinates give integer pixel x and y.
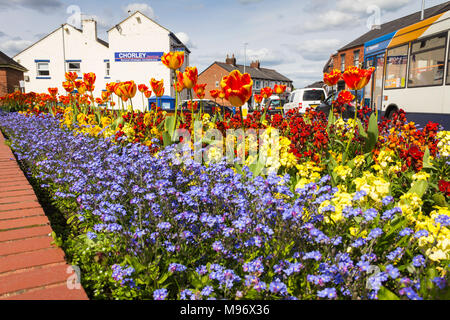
{"type": "Point", "coordinates": [208, 106]}
{"type": "Point", "coordinates": [274, 104]}
{"type": "Point", "coordinates": [347, 111]}
{"type": "Point", "coordinates": [305, 98]}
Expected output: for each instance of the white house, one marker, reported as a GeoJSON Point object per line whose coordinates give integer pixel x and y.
{"type": "Point", "coordinates": [133, 52]}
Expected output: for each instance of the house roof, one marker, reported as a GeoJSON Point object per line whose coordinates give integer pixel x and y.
{"type": "Point", "coordinates": [8, 62]}
{"type": "Point", "coordinates": [255, 73]}
{"type": "Point", "coordinates": [397, 24]}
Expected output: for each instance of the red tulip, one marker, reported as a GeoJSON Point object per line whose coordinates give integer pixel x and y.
{"type": "Point", "coordinates": [199, 90]}
{"type": "Point", "coordinates": [71, 76]}
{"type": "Point", "coordinates": [158, 87]}
{"type": "Point", "coordinates": [357, 78]}
{"type": "Point", "coordinates": [68, 86]}
{"type": "Point", "coordinates": [237, 87]}
{"type": "Point", "coordinates": [53, 91]}
{"type": "Point", "coordinates": [89, 78]}
{"type": "Point", "coordinates": [332, 78]}
{"type": "Point", "coordinates": [266, 92]}
{"type": "Point", "coordinates": [279, 88]}
{"type": "Point", "coordinates": [142, 88]}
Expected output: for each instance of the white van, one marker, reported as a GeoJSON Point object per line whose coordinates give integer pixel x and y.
{"type": "Point", "coordinates": [305, 98]}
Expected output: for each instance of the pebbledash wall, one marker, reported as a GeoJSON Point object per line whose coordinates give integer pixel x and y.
{"type": "Point", "coordinates": [133, 52]}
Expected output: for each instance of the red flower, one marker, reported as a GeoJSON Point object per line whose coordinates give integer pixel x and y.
{"type": "Point", "coordinates": [444, 187]}
{"type": "Point", "coordinates": [332, 78]}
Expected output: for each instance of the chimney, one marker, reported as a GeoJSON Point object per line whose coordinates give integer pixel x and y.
{"type": "Point", "coordinates": [89, 27]}
{"type": "Point", "coordinates": [231, 60]}
{"type": "Point", "coordinates": [255, 64]}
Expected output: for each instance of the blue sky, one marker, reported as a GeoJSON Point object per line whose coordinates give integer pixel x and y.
{"type": "Point", "coordinates": [294, 37]}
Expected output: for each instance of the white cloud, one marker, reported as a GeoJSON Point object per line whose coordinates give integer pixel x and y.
{"type": "Point", "coordinates": [317, 49]}
{"type": "Point", "coordinates": [361, 6]}
{"type": "Point", "coordinates": [329, 19]}
{"type": "Point", "coordinates": [186, 40]}
{"type": "Point", "coordinates": [249, 1]}
{"type": "Point", "coordinates": [13, 47]}
{"type": "Point", "coordinates": [142, 7]}
{"type": "Point", "coordinates": [39, 5]}
{"type": "Point", "coordinates": [266, 56]}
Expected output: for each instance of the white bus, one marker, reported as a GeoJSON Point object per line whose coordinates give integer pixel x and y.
{"type": "Point", "coordinates": [412, 72]}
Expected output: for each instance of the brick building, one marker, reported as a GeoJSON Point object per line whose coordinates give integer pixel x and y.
{"type": "Point", "coordinates": [262, 77]}
{"type": "Point", "coordinates": [11, 73]}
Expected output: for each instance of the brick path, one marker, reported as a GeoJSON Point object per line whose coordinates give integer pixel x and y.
{"type": "Point", "coordinates": [31, 268]}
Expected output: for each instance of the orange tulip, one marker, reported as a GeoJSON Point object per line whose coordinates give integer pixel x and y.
{"type": "Point", "coordinates": [279, 88]}
{"type": "Point", "coordinates": [192, 106]}
{"type": "Point", "coordinates": [117, 89]}
{"type": "Point", "coordinates": [142, 88]}
{"type": "Point", "coordinates": [53, 91]}
{"type": "Point", "coordinates": [345, 97]}
{"type": "Point", "coordinates": [81, 87]}
{"type": "Point", "coordinates": [258, 98]}
{"type": "Point", "coordinates": [179, 85]}
{"type": "Point", "coordinates": [148, 94]}
{"type": "Point", "coordinates": [105, 95]}
{"type": "Point", "coordinates": [158, 87]}
{"type": "Point", "coordinates": [110, 87]}
{"type": "Point", "coordinates": [332, 78]}
{"type": "Point", "coordinates": [127, 90]}
{"type": "Point", "coordinates": [173, 60]}
{"type": "Point", "coordinates": [237, 87]}
{"type": "Point", "coordinates": [357, 78]}
{"type": "Point", "coordinates": [190, 77]}
{"type": "Point", "coordinates": [68, 86]}
{"type": "Point", "coordinates": [221, 94]}
{"type": "Point", "coordinates": [99, 100]}
{"type": "Point", "coordinates": [71, 76]}
{"type": "Point", "coordinates": [214, 93]}
{"type": "Point", "coordinates": [266, 92]}
{"type": "Point", "coordinates": [90, 87]}
{"type": "Point", "coordinates": [89, 78]}
{"type": "Point", "coordinates": [199, 90]}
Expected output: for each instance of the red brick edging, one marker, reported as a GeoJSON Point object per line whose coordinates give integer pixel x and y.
{"type": "Point", "coordinates": [31, 268]}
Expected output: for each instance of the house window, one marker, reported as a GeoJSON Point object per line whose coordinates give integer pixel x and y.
{"type": "Point", "coordinates": [356, 58]}
{"type": "Point", "coordinates": [427, 61]}
{"type": "Point", "coordinates": [343, 62]}
{"type": "Point", "coordinates": [43, 69]}
{"type": "Point", "coordinates": [107, 68]}
{"type": "Point", "coordinates": [74, 66]}
{"type": "Point", "coordinates": [217, 84]}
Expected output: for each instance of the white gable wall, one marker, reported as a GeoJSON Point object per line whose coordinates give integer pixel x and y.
{"type": "Point", "coordinates": [78, 46]}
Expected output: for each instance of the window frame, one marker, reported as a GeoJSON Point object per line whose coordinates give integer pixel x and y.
{"type": "Point", "coordinates": [359, 57]}
{"type": "Point", "coordinates": [342, 57]}
{"type": "Point", "coordinates": [38, 70]}
{"type": "Point", "coordinates": [107, 69]}
{"type": "Point", "coordinates": [424, 51]}
{"type": "Point", "coordinates": [408, 53]}
{"type": "Point", "coordinates": [68, 62]}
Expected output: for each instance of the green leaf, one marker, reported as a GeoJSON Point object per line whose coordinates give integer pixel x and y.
{"type": "Point", "coordinates": [167, 138]}
{"type": "Point", "coordinates": [372, 133]}
{"type": "Point", "coordinates": [426, 160]}
{"type": "Point", "coordinates": [362, 131]}
{"type": "Point", "coordinates": [386, 294]}
{"type": "Point", "coordinates": [419, 187]}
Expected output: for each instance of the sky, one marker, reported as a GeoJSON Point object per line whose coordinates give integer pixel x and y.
{"type": "Point", "coordinates": [294, 37]}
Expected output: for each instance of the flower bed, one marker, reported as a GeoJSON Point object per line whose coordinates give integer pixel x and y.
{"type": "Point", "coordinates": [149, 226]}
{"type": "Point", "coordinates": [305, 207]}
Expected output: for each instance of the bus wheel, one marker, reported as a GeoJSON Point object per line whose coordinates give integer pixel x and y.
{"type": "Point", "coordinates": [391, 110]}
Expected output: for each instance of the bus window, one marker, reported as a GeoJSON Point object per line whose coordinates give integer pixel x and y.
{"type": "Point", "coordinates": [427, 62]}
{"type": "Point", "coordinates": [448, 69]}
{"type": "Point", "coordinates": [396, 67]}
